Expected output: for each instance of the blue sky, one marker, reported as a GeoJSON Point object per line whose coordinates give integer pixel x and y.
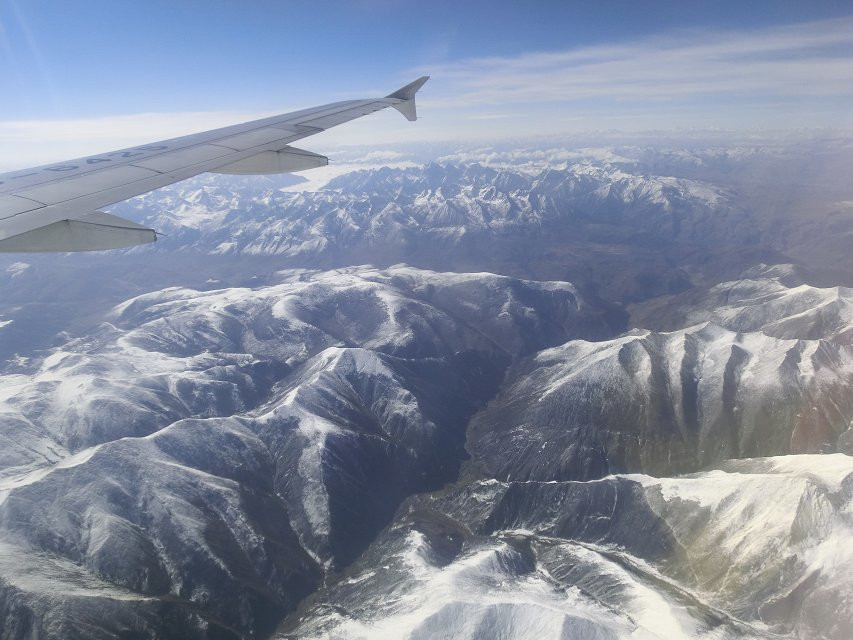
{"type": "Point", "coordinates": [499, 67]}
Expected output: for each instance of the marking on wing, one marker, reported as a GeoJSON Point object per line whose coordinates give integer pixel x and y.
{"type": "Point", "coordinates": [94, 190]}
{"type": "Point", "coordinates": [64, 190]}
{"type": "Point", "coordinates": [17, 181]}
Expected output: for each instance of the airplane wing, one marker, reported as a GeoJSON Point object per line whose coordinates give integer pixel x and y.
{"type": "Point", "coordinates": [55, 207]}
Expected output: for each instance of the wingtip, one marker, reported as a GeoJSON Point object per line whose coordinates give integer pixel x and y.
{"type": "Point", "coordinates": [406, 96]}
{"type": "Point", "coordinates": [408, 92]}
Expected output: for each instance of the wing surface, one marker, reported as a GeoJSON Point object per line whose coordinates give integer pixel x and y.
{"type": "Point", "coordinates": [55, 207]}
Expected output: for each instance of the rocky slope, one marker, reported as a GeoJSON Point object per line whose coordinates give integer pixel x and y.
{"type": "Point", "coordinates": [573, 516]}
{"type": "Point", "coordinates": [767, 371]}
{"type": "Point", "coordinates": [756, 548]}
{"type": "Point", "coordinates": [204, 458]}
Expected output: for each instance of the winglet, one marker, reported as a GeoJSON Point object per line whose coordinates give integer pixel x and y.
{"type": "Point", "coordinates": [407, 96]}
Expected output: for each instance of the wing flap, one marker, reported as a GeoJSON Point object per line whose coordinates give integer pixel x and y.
{"type": "Point", "coordinates": [93, 232]}
{"type": "Point", "coordinates": [286, 160]}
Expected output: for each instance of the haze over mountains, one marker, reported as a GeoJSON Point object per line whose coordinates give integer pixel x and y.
{"type": "Point", "coordinates": [578, 391]}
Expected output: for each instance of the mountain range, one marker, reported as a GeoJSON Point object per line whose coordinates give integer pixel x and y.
{"type": "Point", "coordinates": [606, 397]}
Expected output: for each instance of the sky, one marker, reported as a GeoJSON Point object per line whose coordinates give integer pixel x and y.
{"type": "Point", "coordinates": [86, 76]}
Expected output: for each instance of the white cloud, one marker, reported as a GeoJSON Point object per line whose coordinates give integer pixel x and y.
{"type": "Point", "coordinates": [380, 155]}
{"type": "Point", "coordinates": [17, 268]}
{"type": "Point", "coordinates": [316, 179]}
{"type": "Point", "coordinates": [535, 159]}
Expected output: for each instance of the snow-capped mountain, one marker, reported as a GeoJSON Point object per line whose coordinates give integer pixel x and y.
{"type": "Point", "coordinates": [442, 200]}
{"type": "Point", "coordinates": [552, 224]}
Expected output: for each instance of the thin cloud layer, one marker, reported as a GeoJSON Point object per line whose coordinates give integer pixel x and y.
{"type": "Point", "coordinates": [783, 77]}
{"type": "Point", "coordinates": [811, 59]}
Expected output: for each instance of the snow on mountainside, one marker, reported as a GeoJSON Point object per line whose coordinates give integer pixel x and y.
{"type": "Point", "coordinates": [444, 200]}
{"type": "Point", "coordinates": [203, 457]}
{"type": "Point", "coordinates": [750, 548]}
{"type": "Point", "coordinates": [551, 225]}
{"type": "Point", "coordinates": [774, 379]}
{"type": "Point", "coordinates": [772, 299]}
{"type": "Point", "coordinates": [626, 234]}
{"type": "Point", "coordinates": [753, 549]}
